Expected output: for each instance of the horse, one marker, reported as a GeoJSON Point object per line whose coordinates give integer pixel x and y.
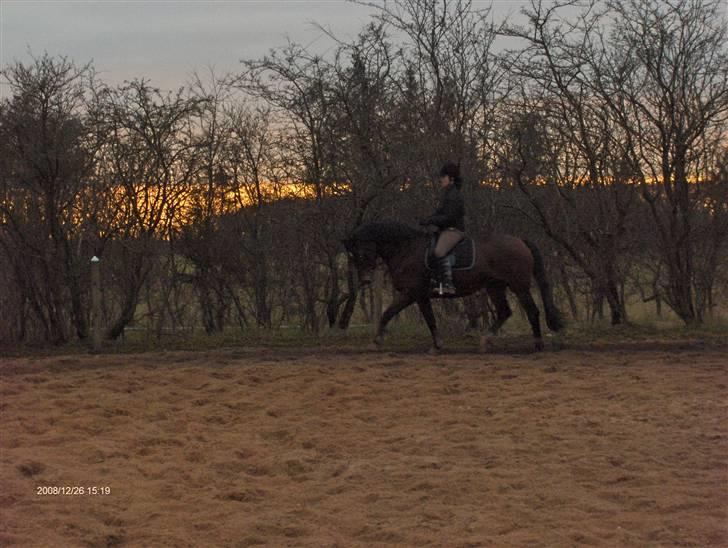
{"type": "Point", "coordinates": [501, 262]}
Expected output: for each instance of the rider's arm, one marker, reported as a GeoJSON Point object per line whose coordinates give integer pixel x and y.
{"type": "Point", "coordinates": [446, 215]}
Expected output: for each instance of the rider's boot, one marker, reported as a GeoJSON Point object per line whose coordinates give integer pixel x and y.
{"type": "Point", "coordinates": [445, 275]}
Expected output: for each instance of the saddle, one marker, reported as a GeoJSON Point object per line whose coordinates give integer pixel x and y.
{"type": "Point", "coordinates": [462, 256]}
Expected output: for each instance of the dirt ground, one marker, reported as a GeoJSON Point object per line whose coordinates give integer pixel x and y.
{"type": "Point", "coordinates": [247, 447]}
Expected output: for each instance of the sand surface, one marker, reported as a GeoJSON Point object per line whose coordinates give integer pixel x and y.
{"type": "Point", "coordinates": [255, 447]}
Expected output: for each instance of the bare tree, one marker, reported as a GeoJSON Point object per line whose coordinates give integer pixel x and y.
{"type": "Point", "coordinates": [144, 170]}
{"type": "Point", "coordinates": [47, 165]}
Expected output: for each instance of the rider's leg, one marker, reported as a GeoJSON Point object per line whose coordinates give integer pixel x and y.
{"type": "Point", "coordinates": [444, 270]}
{"type": "Point", "coordinates": [447, 240]}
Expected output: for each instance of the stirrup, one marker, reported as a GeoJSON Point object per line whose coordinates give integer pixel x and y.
{"type": "Point", "coordinates": [446, 289]}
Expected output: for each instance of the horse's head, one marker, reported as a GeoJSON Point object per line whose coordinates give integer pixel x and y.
{"type": "Point", "coordinates": [364, 255]}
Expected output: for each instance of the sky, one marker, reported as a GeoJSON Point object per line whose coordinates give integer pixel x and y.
{"type": "Point", "coordinates": [166, 40]}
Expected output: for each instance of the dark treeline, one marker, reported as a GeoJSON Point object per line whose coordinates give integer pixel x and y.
{"type": "Point", "coordinates": [597, 130]}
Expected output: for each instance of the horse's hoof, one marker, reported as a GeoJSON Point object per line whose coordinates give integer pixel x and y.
{"type": "Point", "coordinates": [438, 344]}
{"type": "Point", "coordinates": [538, 346]}
{"type": "Point", "coordinates": [433, 351]}
{"type": "Point", "coordinates": [376, 344]}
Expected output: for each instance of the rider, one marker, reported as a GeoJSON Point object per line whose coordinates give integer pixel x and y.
{"type": "Point", "coordinates": [449, 219]}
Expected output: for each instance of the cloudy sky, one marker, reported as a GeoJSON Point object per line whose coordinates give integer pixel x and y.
{"type": "Point", "coordinates": [166, 40]}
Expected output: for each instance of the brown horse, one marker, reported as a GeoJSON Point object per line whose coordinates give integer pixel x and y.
{"type": "Point", "coordinates": [502, 262]}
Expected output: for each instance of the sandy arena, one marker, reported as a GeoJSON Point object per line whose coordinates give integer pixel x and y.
{"type": "Point", "coordinates": [269, 447]}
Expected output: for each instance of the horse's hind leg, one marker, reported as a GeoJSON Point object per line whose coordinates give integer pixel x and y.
{"type": "Point", "coordinates": [497, 294]}
{"type": "Point", "coordinates": [532, 312]}
{"type": "Point", "coordinates": [401, 301]}
{"type": "Point", "coordinates": [503, 311]}
{"type": "Point", "coordinates": [425, 305]}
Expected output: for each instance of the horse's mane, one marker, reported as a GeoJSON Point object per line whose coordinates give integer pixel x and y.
{"type": "Point", "coordinates": [386, 231]}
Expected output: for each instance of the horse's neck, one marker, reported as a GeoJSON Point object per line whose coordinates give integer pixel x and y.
{"type": "Point", "coordinates": [393, 252]}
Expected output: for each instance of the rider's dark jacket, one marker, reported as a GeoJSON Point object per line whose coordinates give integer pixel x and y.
{"type": "Point", "coordinates": [451, 211]}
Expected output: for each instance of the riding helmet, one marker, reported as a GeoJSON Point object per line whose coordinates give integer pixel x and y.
{"type": "Point", "coordinates": [453, 170]}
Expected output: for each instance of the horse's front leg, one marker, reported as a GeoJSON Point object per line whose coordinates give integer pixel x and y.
{"type": "Point", "coordinates": [401, 301]}
{"type": "Point", "coordinates": [425, 305]}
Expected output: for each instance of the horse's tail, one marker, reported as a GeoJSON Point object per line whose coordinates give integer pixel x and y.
{"type": "Point", "coordinates": [553, 316]}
